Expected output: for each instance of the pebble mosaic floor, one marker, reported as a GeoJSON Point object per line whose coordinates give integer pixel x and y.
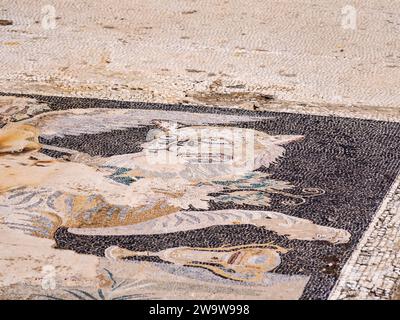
{"type": "Point", "coordinates": [77, 171]}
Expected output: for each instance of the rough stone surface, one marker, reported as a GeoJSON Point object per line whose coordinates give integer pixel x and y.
{"type": "Point", "coordinates": [209, 52]}
{"type": "Point", "coordinates": [373, 271]}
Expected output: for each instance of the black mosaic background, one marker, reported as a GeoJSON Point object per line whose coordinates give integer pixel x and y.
{"type": "Point", "coordinates": [355, 161]}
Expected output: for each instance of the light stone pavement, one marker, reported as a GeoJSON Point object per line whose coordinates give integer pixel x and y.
{"type": "Point", "coordinates": [277, 55]}
{"type": "Point", "coordinates": [208, 52]}
{"type": "Point", "coordinates": [373, 271]}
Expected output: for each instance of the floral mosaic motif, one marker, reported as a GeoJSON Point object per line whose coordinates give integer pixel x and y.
{"type": "Point", "coordinates": [120, 177]}
{"type": "Point", "coordinates": [108, 289]}
{"type": "Point", "coordinates": [256, 188]}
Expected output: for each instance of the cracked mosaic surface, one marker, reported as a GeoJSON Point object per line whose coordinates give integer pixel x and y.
{"type": "Point", "coordinates": [89, 204]}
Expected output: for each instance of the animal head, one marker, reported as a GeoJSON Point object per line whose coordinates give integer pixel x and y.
{"type": "Point", "coordinates": [15, 138]}
{"type": "Point", "coordinates": [232, 150]}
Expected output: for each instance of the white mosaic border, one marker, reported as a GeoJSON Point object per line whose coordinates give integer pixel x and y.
{"type": "Point", "coordinates": [373, 270]}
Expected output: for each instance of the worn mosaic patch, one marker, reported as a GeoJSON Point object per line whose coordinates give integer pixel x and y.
{"type": "Point", "coordinates": [121, 200]}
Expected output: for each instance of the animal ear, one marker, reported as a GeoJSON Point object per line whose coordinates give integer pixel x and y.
{"type": "Point", "coordinates": [285, 139]}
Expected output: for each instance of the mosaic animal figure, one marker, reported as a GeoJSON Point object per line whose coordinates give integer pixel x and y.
{"type": "Point", "coordinates": [39, 193]}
